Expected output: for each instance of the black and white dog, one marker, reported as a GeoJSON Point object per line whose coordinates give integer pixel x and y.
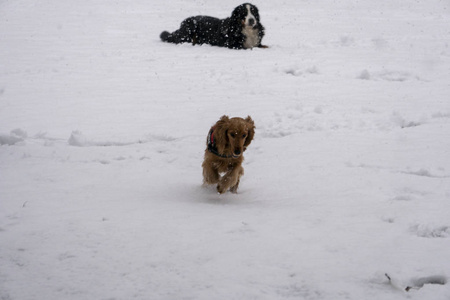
{"type": "Point", "coordinates": [242, 30]}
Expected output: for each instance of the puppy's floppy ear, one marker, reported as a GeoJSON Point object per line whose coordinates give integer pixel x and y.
{"type": "Point", "coordinates": [251, 131]}
{"type": "Point", "coordinates": [220, 133]}
{"type": "Point", "coordinates": [256, 13]}
{"type": "Point", "coordinates": [236, 14]}
{"type": "Point", "coordinates": [235, 24]}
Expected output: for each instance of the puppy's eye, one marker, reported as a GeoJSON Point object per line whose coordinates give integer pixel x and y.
{"type": "Point", "coordinates": [233, 135]}
{"type": "Point", "coordinates": [244, 136]}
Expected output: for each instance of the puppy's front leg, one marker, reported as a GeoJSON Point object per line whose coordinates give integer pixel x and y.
{"type": "Point", "coordinates": [210, 174]}
{"type": "Point", "coordinates": [230, 180]}
{"type": "Point", "coordinates": [234, 188]}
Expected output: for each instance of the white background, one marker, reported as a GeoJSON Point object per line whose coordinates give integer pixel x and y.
{"type": "Point", "coordinates": [103, 128]}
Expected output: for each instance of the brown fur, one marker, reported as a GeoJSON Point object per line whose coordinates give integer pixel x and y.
{"type": "Point", "coordinates": [232, 137]}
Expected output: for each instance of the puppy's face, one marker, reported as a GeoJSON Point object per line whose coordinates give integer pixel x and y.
{"type": "Point", "coordinates": [247, 14]}
{"type": "Point", "coordinates": [240, 133]}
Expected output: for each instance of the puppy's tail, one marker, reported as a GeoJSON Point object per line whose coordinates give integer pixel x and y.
{"type": "Point", "coordinates": [164, 36]}
{"type": "Point", "coordinates": [176, 37]}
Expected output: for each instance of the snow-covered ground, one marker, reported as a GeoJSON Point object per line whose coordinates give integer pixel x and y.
{"type": "Point", "coordinates": [103, 128]}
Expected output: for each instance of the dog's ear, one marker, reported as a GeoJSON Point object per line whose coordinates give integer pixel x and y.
{"type": "Point", "coordinates": [251, 131]}
{"type": "Point", "coordinates": [235, 21]}
{"type": "Point", "coordinates": [220, 133]}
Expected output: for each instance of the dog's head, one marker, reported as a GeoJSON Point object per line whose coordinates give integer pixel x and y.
{"type": "Point", "coordinates": [234, 135]}
{"type": "Point", "coordinates": [246, 15]}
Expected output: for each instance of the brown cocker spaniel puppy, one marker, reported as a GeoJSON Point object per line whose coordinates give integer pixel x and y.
{"type": "Point", "coordinates": [227, 140]}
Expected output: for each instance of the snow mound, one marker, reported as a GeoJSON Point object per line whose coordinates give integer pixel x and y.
{"type": "Point", "coordinates": [16, 136]}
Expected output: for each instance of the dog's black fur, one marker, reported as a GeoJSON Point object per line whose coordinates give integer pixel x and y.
{"type": "Point", "coordinates": [242, 30]}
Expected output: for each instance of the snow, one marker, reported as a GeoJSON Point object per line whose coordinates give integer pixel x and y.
{"type": "Point", "coordinates": [103, 128]}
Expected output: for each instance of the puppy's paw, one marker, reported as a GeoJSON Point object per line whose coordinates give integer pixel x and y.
{"type": "Point", "coordinates": [221, 189]}
{"type": "Point", "coordinates": [233, 189]}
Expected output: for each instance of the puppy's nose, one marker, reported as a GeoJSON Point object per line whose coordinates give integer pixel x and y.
{"type": "Point", "coordinates": [251, 22]}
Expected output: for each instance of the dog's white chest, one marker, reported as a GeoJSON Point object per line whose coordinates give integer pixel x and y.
{"type": "Point", "coordinates": [251, 37]}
